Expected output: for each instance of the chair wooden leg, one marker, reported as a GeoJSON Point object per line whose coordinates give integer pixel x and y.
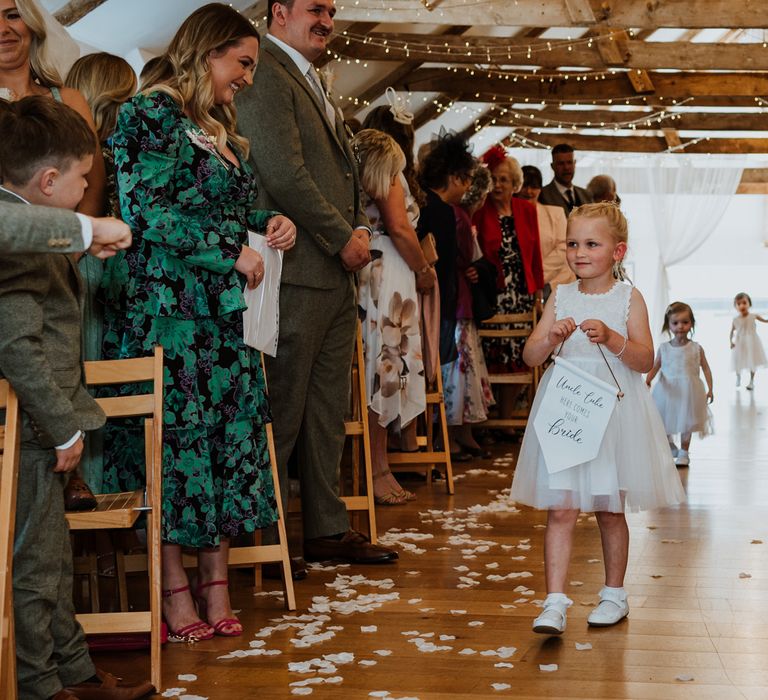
{"type": "Point", "coordinates": [446, 438]}
{"type": "Point", "coordinates": [282, 535]}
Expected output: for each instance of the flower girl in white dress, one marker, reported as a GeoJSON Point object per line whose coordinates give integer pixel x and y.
{"type": "Point", "coordinates": [747, 351]}
{"type": "Point", "coordinates": [679, 393]}
{"type": "Point", "coordinates": [633, 467]}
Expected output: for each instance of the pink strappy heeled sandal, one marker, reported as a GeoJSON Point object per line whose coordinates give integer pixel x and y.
{"type": "Point", "coordinates": [194, 632]}
{"type": "Point", "coordinates": [226, 627]}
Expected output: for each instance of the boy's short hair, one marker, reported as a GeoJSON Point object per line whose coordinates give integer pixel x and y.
{"type": "Point", "coordinates": [40, 132]}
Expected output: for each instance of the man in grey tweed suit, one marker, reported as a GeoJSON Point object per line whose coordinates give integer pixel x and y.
{"type": "Point", "coordinates": [307, 170]}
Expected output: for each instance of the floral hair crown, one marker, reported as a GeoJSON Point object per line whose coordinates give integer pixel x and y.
{"type": "Point", "coordinates": [398, 107]}
{"type": "Point", "coordinates": [494, 156]}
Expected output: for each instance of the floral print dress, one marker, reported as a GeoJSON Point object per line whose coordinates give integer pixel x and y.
{"type": "Point", "coordinates": [506, 354]}
{"type": "Point", "coordinates": [189, 209]}
{"type": "Point", "coordinates": [389, 313]}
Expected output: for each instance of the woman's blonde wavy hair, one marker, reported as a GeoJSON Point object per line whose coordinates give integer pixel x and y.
{"type": "Point", "coordinates": [379, 160]}
{"type": "Point", "coordinates": [617, 223]}
{"type": "Point", "coordinates": [106, 82]}
{"type": "Point", "coordinates": [43, 70]}
{"type": "Point", "coordinates": [183, 71]}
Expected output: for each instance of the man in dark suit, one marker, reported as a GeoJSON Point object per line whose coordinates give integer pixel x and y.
{"type": "Point", "coordinates": [307, 170]}
{"type": "Point", "coordinates": [48, 230]}
{"type": "Point", "coordinates": [561, 192]}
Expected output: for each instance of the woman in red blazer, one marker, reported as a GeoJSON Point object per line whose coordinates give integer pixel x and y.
{"type": "Point", "coordinates": [508, 233]}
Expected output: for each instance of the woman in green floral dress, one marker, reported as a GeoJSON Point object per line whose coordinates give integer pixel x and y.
{"type": "Point", "coordinates": [186, 190]}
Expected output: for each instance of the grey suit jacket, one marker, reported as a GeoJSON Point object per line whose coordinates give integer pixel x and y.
{"type": "Point", "coordinates": [551, 195]}
{"type": "Point", "coordinates": [304, 166]}
{"type": "Point", "coordinates": [40, 319]}
{"type": "Point", "coordinates": [38, 230]}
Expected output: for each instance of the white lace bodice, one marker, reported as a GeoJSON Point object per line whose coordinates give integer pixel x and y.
{"type": "Point", "coordinates": [680, 362]}
{"type": "Point", "coordinates": [612, 308]}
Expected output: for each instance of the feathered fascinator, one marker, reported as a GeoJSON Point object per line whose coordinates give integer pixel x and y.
{"type": "Point", "coordinates": [494, 156]}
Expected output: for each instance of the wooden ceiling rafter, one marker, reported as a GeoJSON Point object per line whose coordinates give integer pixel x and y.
{"type": "Point", "coordinates": [75, 10]}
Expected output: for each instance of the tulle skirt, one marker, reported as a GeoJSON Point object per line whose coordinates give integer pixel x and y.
{"type": "Point", "coordinates": [633, 470]}
{"type": "Point", "coordinates": [682, 404]}
{"type": "Point", "coordinates": [748, 353]}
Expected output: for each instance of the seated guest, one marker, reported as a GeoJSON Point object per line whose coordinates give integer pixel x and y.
{"type": "Point", "coordinates": [466, 385]}
{"type": "Point", "coordinates": [445, 174]}
{"type": "Point", "coordinates": [508, 233]}
{"type": "Point", "coordinates": [561, 192]}
{"type": "Point", "coordinates": [45, 154]}
{"type": "Point", "coordinates": [187, 191]}
{"type": "Point", "coordinates": [388, 303]}
{"type": "Point", "coordinates": [106, 82]}
{"type": "Point", "coordinates": [602, 188]}
{"type": "Point", "coordinates": [552, 226]}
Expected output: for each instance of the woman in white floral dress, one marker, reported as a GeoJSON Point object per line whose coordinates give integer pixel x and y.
{"type": "Point", "coordinates": [388, 302]}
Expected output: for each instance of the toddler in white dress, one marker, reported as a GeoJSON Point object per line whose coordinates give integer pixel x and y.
{"type": "Point", "coordinates": [679, 392]}
{"type": "Point", "coordinates": [633, 466]}
{"type": "Point", "coordinates": [746, 349]}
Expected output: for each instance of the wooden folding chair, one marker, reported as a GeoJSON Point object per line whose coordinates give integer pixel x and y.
{"type": "Point", "coordinates": [121, 510]}
{"type": "Point", "coordinates": [358, 503]}
{"type": "Point", "coordinates": [10, 439]}
{"type": "Point", "coordinates": [429, 456]}
{"type": "Point", "coordinates": [512, 326]}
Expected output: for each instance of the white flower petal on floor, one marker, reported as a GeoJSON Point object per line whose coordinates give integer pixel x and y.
{"type": "Point", "coordinates": [383, 652]}
{"type": "Point", "coordinates": [684, 678]}
{"type": "Point", "coordinates": [548, 668]}
{"type": "Point", "coordinates": [583, 647]}
{"type": "Point", "coordinates": [500, 686]}
{"type": "Point", "coordinates": [367, 629]}
{"type": "Point", "coordinates": [188, 677]}
{"type": "Point", "coordinates": [467, 652]}
{"type": "Point", "coordinates": [367, 662]}
{"type": "Point", "coordinates": [173, 692]}
{"type": "Point", "coordinates": [503, 664]}
{"type": "Point", "coordinates": [475, 623]}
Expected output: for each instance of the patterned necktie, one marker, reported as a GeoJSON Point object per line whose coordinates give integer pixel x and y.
{"type": "Point", "coordinates": [314, 81]}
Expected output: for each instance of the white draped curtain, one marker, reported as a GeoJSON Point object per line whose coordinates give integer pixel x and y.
{"type": "Point", "coordinates": [685, 196]}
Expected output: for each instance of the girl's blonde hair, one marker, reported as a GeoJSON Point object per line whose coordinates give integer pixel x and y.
{"type": "Point", "coordinates": [379, 160]}
{"type": "Point", "coordinates": [677, 307]}
{"type": "Point", "coordinates": [617, 223]}
{"type": "Point", "coordinates": [183, 71]}
{"type": "Point", "coordinates": [41, 66]}
{"type": "Point", "coordinates": [106, 82]}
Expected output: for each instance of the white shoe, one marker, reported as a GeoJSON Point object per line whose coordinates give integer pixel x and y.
{"type": "Point", "coordinates": [551, 620]}
{"type": "Point", "coordinates": [682, 459]}
{"type": "Point", "coordinates": [673, 449]}
{"type": "Point", "coordinates": [609, 611]}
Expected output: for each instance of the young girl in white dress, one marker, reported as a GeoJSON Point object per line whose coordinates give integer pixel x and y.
{"type": "Point", "coordinates": [746, 349]}
{"type": "Point", "coordinates": [679, 393]}
{"type": "Point", "coordinates": [633, 467]}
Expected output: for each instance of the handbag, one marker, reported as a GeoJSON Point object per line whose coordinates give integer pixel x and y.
{"type": "Point", "coordinates": [429, 248]}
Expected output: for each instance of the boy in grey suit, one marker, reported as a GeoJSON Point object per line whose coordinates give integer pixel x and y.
{"type": "Point", "coordinates": [46, 151]}
{"type": "Point", "coordinates": [36, 229]}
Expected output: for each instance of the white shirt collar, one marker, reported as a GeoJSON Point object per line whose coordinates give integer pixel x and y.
{"type": "Point", "coordinates": [562, 188]}
{"type": "Point", "coordinates": [301, 62]}
{"type": "Point", "coordinates": [15, 195]}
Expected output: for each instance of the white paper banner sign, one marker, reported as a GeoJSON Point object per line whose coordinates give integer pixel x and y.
{"type": "Point", "coordinates": [573, 415]}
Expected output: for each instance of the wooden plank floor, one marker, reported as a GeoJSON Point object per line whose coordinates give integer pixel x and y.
{"type": "Point", "coordinates": [698, 585]}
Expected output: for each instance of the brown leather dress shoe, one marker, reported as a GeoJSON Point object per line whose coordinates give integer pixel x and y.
{"type": "Point", "coordinates": [110, 687]}
{"type": "Point", "coordinates": [78, 495]}
{"type": "Point", "coordinates": [353, 547]}
{"type": "Point", "coordinates": [63, 694]}
{"type": "Point", "coordinates": [274, 571]}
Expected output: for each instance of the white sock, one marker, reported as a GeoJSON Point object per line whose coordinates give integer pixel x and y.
{"type": "Point", "coordinates": [618, 595]}
{"type": "Point", "coordinates": [558, 600]}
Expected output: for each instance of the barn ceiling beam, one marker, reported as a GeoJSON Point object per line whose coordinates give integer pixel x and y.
{"type": "Point", "coordinates": [649, 144]}
{"type": "Point", "coordinates": [685, 14]}
{"type": "Point", "coordinates": [668, 86]}
{"type": "Point", "coordinates": [75, 10]}
{"type": "Point", "coordinates": [630, 53]}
